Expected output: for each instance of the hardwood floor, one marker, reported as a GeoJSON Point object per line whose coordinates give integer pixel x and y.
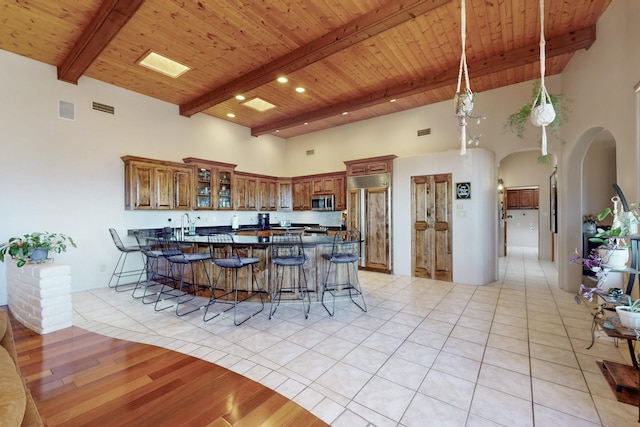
{"type": "Point", "coordinates": [81, 378]}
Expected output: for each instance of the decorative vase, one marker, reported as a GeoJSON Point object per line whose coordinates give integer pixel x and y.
{"type": "Point", "coordinates": [614, 258]}
{"type": "Point", "coordinates": [628, 319]}
{"type": "Point", "coordinates": [589, 227]}
{"type": "Point", "coordinates": [39, 255]}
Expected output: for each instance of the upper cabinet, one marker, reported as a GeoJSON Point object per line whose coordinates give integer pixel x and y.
{"type": "Point", "coordinates": [370, 166]}
{"type": "Point", "coordinates": [285, 194]}
{"type": "Point", "coordinates": [246, 192]}
{"type": "Point", "coordinates": [214, 182]}
{"type": "Point", "coordinates": [153, 184]}
{"type": "Point", "coordinates": [207, 185]}
{"type": "Point", "coordinates": [525, 198]}
{"type": "Point", "coordinates": [301, 194]}
{"type": "Point", "coordinates": [267, 193]}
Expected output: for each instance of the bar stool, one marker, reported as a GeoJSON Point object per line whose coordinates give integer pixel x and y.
{"type": "Point", "coordinates": [345, 252]}
{"type": "Point", "coordinates": [119, 271]}
{"type": "Point", "coordinates": [179, 261]}
{"type": "Point", "coordinates": [153, 276]}
{"type": "Point", "coordinates": [287, 251]}
{"type": "Point", "coordinates": [226, 257]}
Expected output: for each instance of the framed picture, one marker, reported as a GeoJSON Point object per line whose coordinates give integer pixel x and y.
{"type": "Point", "coordinates": [463, 190]}
{"type": "Point", "coordinates": [553, 202]}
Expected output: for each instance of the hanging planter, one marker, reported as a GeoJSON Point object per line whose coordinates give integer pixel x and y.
{"type": "Point", "coordinates": [519, 121]}
{"type": "Point", "coordinates": [542, 112]}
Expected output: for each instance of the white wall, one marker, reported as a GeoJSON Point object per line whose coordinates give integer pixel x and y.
{"type": "Point", "coordinates": [522, 228]}
{"type": "Point", "coordinates": [601, 82]}
{"type": "Point", "coordinates": [474, 221]}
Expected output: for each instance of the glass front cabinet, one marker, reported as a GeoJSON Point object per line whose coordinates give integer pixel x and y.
{"type": "Point", "coordinates": [214, 182]}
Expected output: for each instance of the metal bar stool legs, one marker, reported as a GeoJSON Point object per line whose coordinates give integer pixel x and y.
{"type": "Point", "coordinates": [119, 271]}
{"type": "Point", "coordinates": [226, 257]}
{"type": "Point", "coordinates": [345, 252]}
{"type": "Point", "coordinates": [287, 252]}
{"type": "Point", "coordinates": [179, 265]}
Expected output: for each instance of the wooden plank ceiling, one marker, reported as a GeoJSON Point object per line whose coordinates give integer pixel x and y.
{"type": "Point", "coordinates": [352, 57]}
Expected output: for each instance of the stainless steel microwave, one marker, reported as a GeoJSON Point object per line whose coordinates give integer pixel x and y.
{"type": "Point", "coordinates": [322, 203]}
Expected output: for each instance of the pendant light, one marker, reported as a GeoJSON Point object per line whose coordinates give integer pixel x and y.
{"type": "Point", "coordinates": [542, 112]}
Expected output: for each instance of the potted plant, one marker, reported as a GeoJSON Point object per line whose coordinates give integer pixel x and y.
{"type": "Point", "coordinates": [518, 121]}
{"type": "Point", "coordinates": [629, 314]}
{"type": "Point", "coordinates": [35, 246]}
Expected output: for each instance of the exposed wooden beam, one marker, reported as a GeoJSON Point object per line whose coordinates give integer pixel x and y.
{"type": "Point", "coordinates": [110, 18]}
{"type": "Point", "coordinates": [560, 45]}
{"type": "Point", "coordinates": [361, 28]}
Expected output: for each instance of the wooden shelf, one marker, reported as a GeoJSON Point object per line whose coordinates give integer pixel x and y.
{"type": "Point", "coordinates": [624, 381]}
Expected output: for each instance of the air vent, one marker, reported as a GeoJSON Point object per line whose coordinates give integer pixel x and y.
{"type": "Point", "coordinates": [311, 152]}
{"type": "Point", "coordinates": [424, 132]}
{"type": "Point", "coordinates": [103, 108]}
{"type": "Point", "coordinates": [66, 110]}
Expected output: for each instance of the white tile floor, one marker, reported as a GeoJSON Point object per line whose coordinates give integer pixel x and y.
{"type": "Point", "coordinates": [427, 353]}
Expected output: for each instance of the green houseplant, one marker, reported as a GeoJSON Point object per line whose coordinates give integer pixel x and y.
{"type": "Point", "coordinates": [518, 121]}
{"type": "Point", "coordinates": [35, 246]}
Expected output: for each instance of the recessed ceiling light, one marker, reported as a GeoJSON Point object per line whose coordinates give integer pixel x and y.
{"type": "Point", "coordinates": [240, 97]}
{"type": "Point", "coordinates": [259, 104]}
{"type": "Point", "coordinates": [306, 123]}
{"type": "Point", "coordinates": [393, 100]}
{"type": "Point", "coordinates": [282, 79]}
{"type": "Point", "coordinates": [300, 89]}
{"type": "Point", "coordinates": [231, 115]}
{"type": "Point", "coordinates": [345, 113]}
{"type": "Point", "coordinates": [163, 65]}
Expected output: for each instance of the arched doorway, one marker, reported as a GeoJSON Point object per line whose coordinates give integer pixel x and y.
{"type": "Point", "coordinates": [522, 170]}
{"type": "Point", "coordinates": [589, 162]}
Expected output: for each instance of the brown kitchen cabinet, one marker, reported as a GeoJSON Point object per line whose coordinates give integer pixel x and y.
{"type": "Point", "coordinates": [268, 193]}
{"type": "Point", "coordinates": [213, 183]}
{"type": "Point", "coordinates": [322, 185]}
{"type": "Point", "coordinates": [246, 192]}
{"type": "Point", "coordinates": [157, 185]}
{"type": "Point", "coordinates": [301, 194]}
{"type": "Point", "coordinates": [285, 196]}
{"type": "Point", "coordinates": [340, 192]}
{"type": "Point", "coordinates": [523, 198]}
{"type": "Point", "coordinates": [370, 166]}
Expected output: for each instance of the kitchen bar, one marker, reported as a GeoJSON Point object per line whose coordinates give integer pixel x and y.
{"type": "Point", "coordinates": [317, 248]}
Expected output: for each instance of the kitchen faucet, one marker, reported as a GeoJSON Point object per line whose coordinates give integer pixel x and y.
{"type": "Point", "coordinates": [182, 222]}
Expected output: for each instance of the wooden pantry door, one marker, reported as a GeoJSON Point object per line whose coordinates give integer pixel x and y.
{"type": "Point", "coordinates": [431, 234]}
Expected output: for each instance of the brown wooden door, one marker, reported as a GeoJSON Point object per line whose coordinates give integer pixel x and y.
{"type": "Point", "coordinates": [431, 237]}
{"type": "Point", "coordinates": [376, 238]}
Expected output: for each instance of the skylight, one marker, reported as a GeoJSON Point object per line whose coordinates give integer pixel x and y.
{"type": "Point", "coordinates": [163, 65]}
{"type": "Point", "coordinates": [259, 104]}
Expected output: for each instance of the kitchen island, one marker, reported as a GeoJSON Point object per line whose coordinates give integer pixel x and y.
{"type": "Point", "coordinates": [315, 246]}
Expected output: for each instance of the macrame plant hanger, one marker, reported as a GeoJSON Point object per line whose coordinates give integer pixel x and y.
{"type": "Point", "coordinates": [463, 100]}
{"type": "Point", "coordinates": [542, 112]}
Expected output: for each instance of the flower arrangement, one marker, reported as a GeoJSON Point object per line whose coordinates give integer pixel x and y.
{"type": "Point", "coordinates": [594, 263]}
{"type": "Point", "coordinates": [591, 219]}
{"type": "Point", "coordinates": [21, 248]}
